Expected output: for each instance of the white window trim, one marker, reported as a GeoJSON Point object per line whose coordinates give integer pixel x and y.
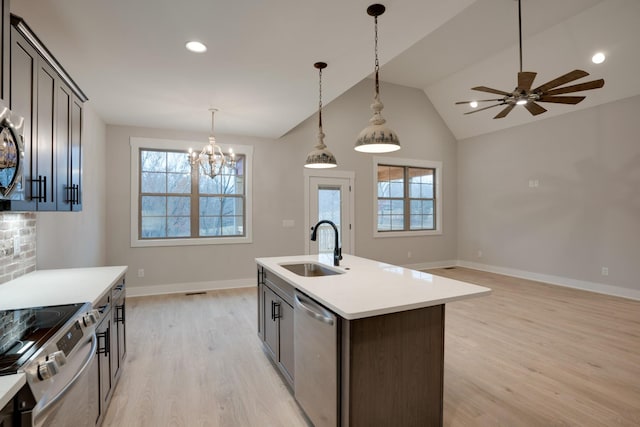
{"type": "Point", "coordinates": [168, 144]}
{"type": "Point", "coordinates": [394, 161]}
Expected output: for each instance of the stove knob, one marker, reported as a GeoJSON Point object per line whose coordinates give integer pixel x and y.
{"type": "Point", "coordinates": [59, 357]}
{"type": "Point", "coordinates": [91, 318]}
{"type": "Point", "coordinates": [47, 369]}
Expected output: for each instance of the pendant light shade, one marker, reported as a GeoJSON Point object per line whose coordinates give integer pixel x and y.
{"type": "Point", "coordinates": [320, 157]}
{"type": "Point", "coordinates": [377, 137]}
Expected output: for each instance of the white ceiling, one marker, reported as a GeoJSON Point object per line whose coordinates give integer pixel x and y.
{"type": "Point", "coordinates": [129, 57]}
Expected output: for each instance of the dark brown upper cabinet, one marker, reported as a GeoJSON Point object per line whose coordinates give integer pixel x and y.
{"type": "Point", "coordinates": [51, 104]}
{"type": "Point", "coordinates": [5, 47]}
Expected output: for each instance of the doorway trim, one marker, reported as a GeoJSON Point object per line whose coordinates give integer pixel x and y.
{"type": "Point", "coordinates": [319, 173]}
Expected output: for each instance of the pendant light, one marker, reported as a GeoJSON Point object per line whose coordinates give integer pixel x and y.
{"type": "Point", "coordinates": [320, 157]}
{"type": "Point", "coordinates": [377, 138]}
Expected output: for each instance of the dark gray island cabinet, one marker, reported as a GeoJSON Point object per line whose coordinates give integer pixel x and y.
{"type": "Point", "coordinates": [383, 363]}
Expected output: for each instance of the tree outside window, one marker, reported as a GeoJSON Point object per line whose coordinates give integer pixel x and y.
{"type": "Point", "coordinates": [177, 201]}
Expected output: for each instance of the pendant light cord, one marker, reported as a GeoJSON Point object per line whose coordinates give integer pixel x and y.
{"type": "Point", "coordinates": [520, 31]}
{"type": "Point", "coordinates": [320, 100]}
{"type": "Point", "coordinates": [377, 64]}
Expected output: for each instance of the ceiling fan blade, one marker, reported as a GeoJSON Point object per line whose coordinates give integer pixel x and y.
{"type": "Point", "coordinates": [504, 112]}
{"type": "Point", "coordinates": [485, 108]}
{"type": "Point", "coordinates": [525, 80]}
{"type": "Point", "coordinates": [534, 108]}
{"type": "Point", "coordinates": [564, 79]}
{"type": "Point", "coordinates": [478, 100]}
{"type": "Point", "coordinates": [562, 99]}
{"type": "Point", "coordinates": [595, 84]}
{"type": "Point", "coordinates": [488, 89]}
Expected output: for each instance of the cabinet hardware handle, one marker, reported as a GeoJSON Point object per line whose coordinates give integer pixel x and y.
{"type": "Point", "coordinates": [120, 313]}
{"type": "Point", "coordinates": [272, 310]}
{"type": "Point", "coordinates": [105, 336]}
{"type": "Point", "coordinates": [277, 314]}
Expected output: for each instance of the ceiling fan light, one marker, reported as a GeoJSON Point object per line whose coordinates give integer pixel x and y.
{"type": "Point", "coordinates": [598, 58]}
{"type": "Point", "coordinates": [521, 102]}
{"type": "Point", "coordinates": [473, 104]}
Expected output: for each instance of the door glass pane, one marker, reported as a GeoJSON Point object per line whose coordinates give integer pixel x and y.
{"type": "Point", "coordinates": [329, 207]}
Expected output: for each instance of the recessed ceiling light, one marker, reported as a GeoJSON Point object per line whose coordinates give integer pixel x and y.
{"type": "Point", "coordinates": [473, 104]}
{"type": "Point", "coordinates": [196, 47]}
{"type": "Point", "coordinates": [598, 58]}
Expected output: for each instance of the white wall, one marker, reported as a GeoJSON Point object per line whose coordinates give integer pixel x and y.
{"type": "Point", "coordinates": [278, 192]}
{"type": "Point", "coordinates": [78, 239]}
{"type": "Point", "coordinates": [585, 213]}
{"type": "Point", "coordinates": [422, 134]}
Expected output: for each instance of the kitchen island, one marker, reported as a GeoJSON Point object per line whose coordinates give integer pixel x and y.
{"type": "Point", "coordinates": [389, 338]}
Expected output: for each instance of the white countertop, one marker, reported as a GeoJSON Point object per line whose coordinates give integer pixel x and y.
{"type": "Point", "coordinates": [55, 287]}
{"type": "Point", "coordinates": [9, 386]}
{"type": "Point", "coordinates": [370, 288]}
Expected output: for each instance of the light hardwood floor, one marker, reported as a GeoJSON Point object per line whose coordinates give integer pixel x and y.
{"type": "Point", "coordinates": [529, 354]}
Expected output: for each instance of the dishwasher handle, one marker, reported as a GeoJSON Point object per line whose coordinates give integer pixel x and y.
{"type": "Point", "coordinates": [313, 310]}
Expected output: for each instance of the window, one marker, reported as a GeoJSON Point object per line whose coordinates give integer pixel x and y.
{"type": "Point", "coordinates": [173, 203]}
{"type": "Point", "coordinates": [407, 197]}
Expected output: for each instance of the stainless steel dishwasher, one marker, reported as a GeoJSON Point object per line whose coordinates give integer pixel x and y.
{"type": "Point", "coordinates": [316, 360]}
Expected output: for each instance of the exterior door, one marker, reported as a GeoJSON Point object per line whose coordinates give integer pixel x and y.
{"type": "Point", "coordinates": [330, 196]}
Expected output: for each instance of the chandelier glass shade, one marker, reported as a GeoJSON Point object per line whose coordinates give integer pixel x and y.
{"type": "Point", "coordinates": [377, 137]}
{"type": "Point", "coordinates": [320, 157]}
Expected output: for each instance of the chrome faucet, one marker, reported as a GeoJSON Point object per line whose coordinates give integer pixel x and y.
{"type": "Point", "coordinates": [337, 251]}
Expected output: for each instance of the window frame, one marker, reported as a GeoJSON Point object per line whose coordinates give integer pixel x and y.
{"type": "Point", "coordinates": [409, 163]}
{"type": "Point", "coordinates": [136, 144]}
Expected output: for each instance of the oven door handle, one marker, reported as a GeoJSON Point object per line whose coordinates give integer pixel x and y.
{"type": "Point", "coordinates": [56, 400]}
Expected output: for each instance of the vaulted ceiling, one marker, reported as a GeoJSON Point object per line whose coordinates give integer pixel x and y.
{"type": "Point", "coordinates": [129, 56]}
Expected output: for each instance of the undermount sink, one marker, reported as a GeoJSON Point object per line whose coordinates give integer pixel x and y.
{"type": "Point", "coordinates": [309, 269]}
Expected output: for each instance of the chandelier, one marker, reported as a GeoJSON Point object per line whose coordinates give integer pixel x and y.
{"type": "Point", "coordinates": [211, 159]}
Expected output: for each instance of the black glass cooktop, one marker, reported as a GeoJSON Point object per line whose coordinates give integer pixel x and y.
{"type": "Point", "coordinates": [26, 330]}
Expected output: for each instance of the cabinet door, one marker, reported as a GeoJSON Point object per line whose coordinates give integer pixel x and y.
{"type": "Point", "coordinates": [271, 338]}
{"type": "Point", "coordinates": [75, 165]}
{"type": "Point", "coordinates": [118, 348]}
{"type": "Point", "coordinates": [43, 185]}
{"type": "Point", "coordinates": [22, 92]}
{"type": "Point", "coordinates": [63, 147]}
{"type": "Point", "coordinates": [286, 338]}
{"type": "Point", "coordinates": [5, 48]}
{"type": "Point", "coordinates": [103, 333]}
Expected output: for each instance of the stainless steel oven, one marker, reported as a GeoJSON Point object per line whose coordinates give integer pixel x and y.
{"type": "Point", "coordinates": [56, 348]}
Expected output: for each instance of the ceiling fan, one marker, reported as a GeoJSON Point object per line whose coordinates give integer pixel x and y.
{"type": "Point", "coordinates": [524, 95]}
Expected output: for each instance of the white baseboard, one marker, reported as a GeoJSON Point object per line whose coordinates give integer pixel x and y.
{"type": "Point", "coordinates": [601, 288]}
{"type": "Point", "coordinates": [584, 285]}
{"type": "Point", "coordinates": [428, 265]}
{"type": "Point", "coordinates": [181, 288]}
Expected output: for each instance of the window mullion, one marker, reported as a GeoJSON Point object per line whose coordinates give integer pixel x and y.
{"type": "Point", "coordinates": [407, 206]}
{"type": "Point", "coordinates": [195, 201]}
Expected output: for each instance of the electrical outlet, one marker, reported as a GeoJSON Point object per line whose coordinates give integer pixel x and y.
{"type": "Point", "coordinates": [409, 254]}
{"type": "Point", "coordinates": [479, 254]}
{"type": "Point", "coordinates": [605, 271]}
{"type": "Point", "coordinates": [141, 272]}
{"type": "Point", "coordinates": [16, 245]}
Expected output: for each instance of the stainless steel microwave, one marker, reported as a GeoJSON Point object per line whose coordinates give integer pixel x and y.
{"type": "Point", "coordinates": [11, 155]}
